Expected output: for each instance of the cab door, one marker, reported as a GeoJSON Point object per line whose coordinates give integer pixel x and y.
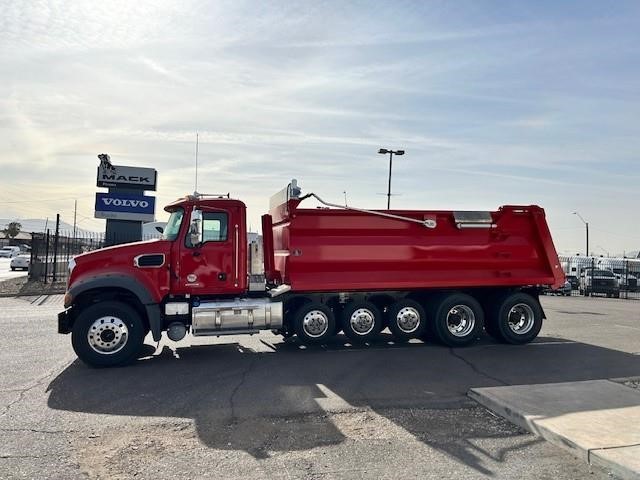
{"type": "Point", "coordinates": [211, 268]}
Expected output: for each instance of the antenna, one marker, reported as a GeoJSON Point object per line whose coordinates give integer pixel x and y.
{"type": "Point", "coordinates": [196, 186]}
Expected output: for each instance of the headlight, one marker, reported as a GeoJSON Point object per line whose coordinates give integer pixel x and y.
{"type": "Point", "coordinates": [72, 265]}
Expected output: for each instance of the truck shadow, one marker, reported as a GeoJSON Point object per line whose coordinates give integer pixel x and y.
{"type": "Point", "coordinates": [242, 398]}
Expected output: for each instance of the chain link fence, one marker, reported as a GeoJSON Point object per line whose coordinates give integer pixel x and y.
{"type": "Point", "coordinates": [600, 277]}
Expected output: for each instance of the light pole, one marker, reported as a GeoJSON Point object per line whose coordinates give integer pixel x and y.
{"type": "Point", "coordinates": [384, 151]}
{"type": "Point", "coordinates": [586, 226]}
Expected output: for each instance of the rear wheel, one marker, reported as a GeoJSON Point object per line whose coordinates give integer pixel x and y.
{"type": "Point", "coordinates": [314, 323]}
{"type": "Point", "coordinates": [518, 318]}
{"type": "Point", "coordinates": [406, 320]}
{"type": "Point", "coordinates": [458, 319]}
{"type": "Point", "coordinates": [108, 334]}
{"type": "Point", "coordinates": [361, 321]}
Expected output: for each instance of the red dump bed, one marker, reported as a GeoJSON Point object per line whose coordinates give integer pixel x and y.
{"type": "Point", "coordinates": [325, 249]}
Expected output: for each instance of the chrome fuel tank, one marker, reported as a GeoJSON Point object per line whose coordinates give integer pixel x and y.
{"type": "Point", "coordinates": [236, 316]}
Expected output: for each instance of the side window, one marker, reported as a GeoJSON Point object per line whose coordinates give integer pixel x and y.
{"type": "Point", "coordinates": [214, 226]}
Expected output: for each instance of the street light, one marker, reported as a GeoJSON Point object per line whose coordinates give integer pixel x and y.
{"type": "Point", "coordinates": [586, 226]}
{"type": "Point", "coordinates": [384, 151]}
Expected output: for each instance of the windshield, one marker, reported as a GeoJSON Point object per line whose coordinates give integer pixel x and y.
{"type": "Point", "coordinates": [7, 248]}
{"type": "Point", "coordinates": [600, 273]}
{"type": "Point", "coordinates": [173, 225]}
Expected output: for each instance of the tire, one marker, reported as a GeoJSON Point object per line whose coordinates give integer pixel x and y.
{"type": "Point", "coordinates": [361, 321]}
{"type": "Point", "coordinates": [13, 269]}
{"type": "Point", "coordinates": [458, 319]}
{"type": "Point", "coordinates": [121, 336]}
{"type": "Point", "coordinates": [314, 323]}
{"type": "Point", "coordinates": [509, 327]}
{"type": "Point", "coordinates": [406, 319]}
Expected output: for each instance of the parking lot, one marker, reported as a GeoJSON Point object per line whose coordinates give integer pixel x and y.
{"type": "Point", "coordinates": [5, 270]}
{"type": "Point", "coordinates": [258, 407]}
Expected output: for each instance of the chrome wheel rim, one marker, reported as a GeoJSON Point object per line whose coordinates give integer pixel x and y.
{"type": "Point", "coordinates": [315, 323]}
{"type": "Point", "coordinates": [362, 321]}
{"type": "Point", "coordinates": [460, 320]}
{"type": "Point", "coordinates": [108, 335]}
{"type": "Point", "coordinates": [408, 319]}
{"type": "Point", "coordinates": [521, 318]}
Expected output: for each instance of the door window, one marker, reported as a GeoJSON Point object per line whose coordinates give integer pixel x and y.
{"type": "Point", "coordinates": [214, 227]}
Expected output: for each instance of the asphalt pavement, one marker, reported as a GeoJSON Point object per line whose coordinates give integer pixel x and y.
{"type": "Point", "coordinates": [5, 270]}
{"type": "Point", "coordinates": [257, 407]}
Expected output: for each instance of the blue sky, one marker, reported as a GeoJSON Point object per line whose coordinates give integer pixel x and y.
{"type": "Point", "coordinates": [494, 102]}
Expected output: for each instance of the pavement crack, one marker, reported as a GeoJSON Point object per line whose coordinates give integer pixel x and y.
{"type": "Point", "coordinates": [35, 430]}
{"type": "Point", "coordinates": [475, 368]}
{"type": "Point", "coordinates": [232, 405]}
{"type": "Point", "coordinates": [25, 390]}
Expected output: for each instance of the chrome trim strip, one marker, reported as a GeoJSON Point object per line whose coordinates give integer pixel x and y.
{"type": "Point", "coordinates": [137, 258]}
{"type": "Point", "coordinates": [237, 255]}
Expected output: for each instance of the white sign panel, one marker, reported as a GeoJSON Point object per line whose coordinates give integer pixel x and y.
{"type": "Point", "coordinates": [116, 175]}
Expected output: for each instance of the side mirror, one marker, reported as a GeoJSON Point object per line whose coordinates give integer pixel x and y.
{"type": "Point", "coordinates": [195, 227]}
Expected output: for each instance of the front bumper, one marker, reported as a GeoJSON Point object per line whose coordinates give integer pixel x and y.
{"type": "Point", "coordinates": [64, 321]}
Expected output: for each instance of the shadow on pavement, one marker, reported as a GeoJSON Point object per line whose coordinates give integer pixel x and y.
{"type": "Point", "coordinates": [234, 393]}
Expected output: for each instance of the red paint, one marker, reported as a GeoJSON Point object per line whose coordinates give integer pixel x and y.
{"type": "Point", "coordinates": [340, 250]}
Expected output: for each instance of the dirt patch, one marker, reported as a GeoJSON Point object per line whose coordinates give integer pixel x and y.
{"type": "Point", "coordinates": [22, 286]}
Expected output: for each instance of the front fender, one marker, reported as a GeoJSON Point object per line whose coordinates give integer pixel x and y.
{"type": "Point", "coordinates": [123, 282]}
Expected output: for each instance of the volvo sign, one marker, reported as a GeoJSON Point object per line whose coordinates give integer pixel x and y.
{"type": "Point", "coordinates": [126, 177]}
{"type": "Point", "coordinates": [125, 206]}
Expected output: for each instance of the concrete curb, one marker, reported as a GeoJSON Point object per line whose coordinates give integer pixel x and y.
{"type": "Point", "coordinates": [540, 410]}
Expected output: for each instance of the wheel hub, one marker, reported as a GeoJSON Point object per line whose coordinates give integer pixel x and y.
{"type": "Point", "coordinates": [108, 335]}
{"type": "Point", "coordinates": [460, 320]}
{"type": "Point", "coordinates": [408, 319]}
{"type": "Point", "coordinates": [521, 318]}
{"type": "Point", "coordinates": [315, 323]}
{"type": "Point", "coordinates": [362, 321]}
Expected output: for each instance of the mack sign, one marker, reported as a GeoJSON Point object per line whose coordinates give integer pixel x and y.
{"type": "Point", "coordinates": [125, 206]}
{"type": "Point", "coordinates": [127, 177]}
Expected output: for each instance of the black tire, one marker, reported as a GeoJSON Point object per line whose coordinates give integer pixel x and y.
{"type": "Point", "coordinates": [367, 327]}
{"type": "Point", "coordinates": [469, 316]}
{"type": "Point", "coordinates": [308, 323]}
{"type": "Point", "coordinates": [407, 310]}
{"type": "Point", "coordinates": [13, 269]}
{"type": "Point", "coordinates": [111, 312]}
{"type": "Point", "coordinates": [527, 306]}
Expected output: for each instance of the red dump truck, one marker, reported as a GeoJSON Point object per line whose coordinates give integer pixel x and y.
{"type": "Point", "coordinates": [444, 275]}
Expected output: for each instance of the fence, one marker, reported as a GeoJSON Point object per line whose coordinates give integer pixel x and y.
{"type": "Point", "coordinates": [50, 253]}
{"type": "Point", "coordinates": [601, 276]}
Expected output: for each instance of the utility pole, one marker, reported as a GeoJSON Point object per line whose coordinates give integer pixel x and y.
{"type": "Point", "coordinates": [55, 246]}
{"type": "Point", "coordinates": [586, 226]}
{"type": "Point", "coordinates": [384, 151]}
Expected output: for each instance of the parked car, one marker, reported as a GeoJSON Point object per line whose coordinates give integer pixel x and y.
{"type": "Point", "coordinates": [564, 290]}
{"type": "Point", "coordinates": [574, 281]}
{"type": "Point", "coordinates": [9, 252]}
{"type": "Point", "coordinates": [599, 281]}
{"type": "Point", "coordinates": [20, 262]}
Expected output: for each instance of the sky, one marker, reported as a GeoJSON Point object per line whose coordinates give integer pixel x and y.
{"type": "Point", "coordinates": [494, 102]}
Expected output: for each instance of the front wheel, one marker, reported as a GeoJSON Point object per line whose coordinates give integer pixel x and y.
{"type": "Point", "coordinates": [108, 334]}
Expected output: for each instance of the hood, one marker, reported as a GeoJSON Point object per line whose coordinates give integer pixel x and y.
{"type": "Point", "coordinates": [116, 259]}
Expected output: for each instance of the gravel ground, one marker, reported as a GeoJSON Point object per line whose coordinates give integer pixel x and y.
{"type": "Point", "coordinates": [21, 286]}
